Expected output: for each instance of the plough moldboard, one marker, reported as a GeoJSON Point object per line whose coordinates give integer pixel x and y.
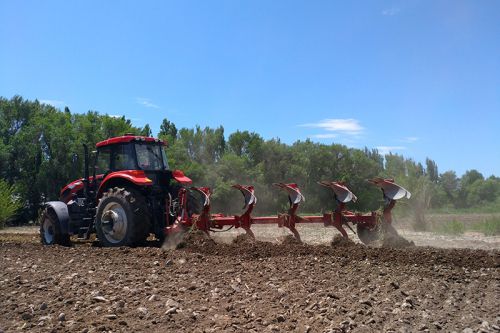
{"type": "Point", "coordinates": [367, 225]}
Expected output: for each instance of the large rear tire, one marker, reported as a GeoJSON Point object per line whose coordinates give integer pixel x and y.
{"type": "Point", "coordinates": [122, 218]}
{"type": "Point", "coordinates": [50, 229]}
{"type": "Point", "coordinates": [194, 203]}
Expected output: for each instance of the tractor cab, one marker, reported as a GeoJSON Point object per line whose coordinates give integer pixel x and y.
{"type": "Point", "coordinates": [130, 153]}
{"type": "Point", "coordinates": [141, 160]}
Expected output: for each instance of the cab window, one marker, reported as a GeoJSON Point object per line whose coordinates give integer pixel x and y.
{"type": "Point", "coordinates": [123, 158]}
{"type": "Point", "coordinates": [150, 157]}
{"type": "Point", "coordinates": [103, 158]}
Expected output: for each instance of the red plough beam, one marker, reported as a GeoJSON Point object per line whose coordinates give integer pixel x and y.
{"type": "Point", "coordinates": [338, 218]}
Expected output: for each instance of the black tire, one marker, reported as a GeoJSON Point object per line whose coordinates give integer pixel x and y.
{"type": "Point", "coordinates": [194, 203]}
{"type": "Point", "coordinates": [369, 235]}
{"type": "Point", "coordinates": [50, 229]}
{"type": "Point", "coordinates": [122, 218]}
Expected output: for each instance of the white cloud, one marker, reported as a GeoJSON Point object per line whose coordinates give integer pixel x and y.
{"type": "Point", "coordinates": [390, 11]}
{"type": "Point", "coordinates": [324, 136]}
{"type": "Point", "coordinates": [52, 102]}
{"type": "Point", "coordinates": [146, 102]}
{"type": "Point", "coordinates": [342, 126]}
{"type": "Point", "coordinates": [410, 139]}
{"type": "Point", "coordinates": [115, 116]}
{"type": "Point", "coordinates": [384, 150]}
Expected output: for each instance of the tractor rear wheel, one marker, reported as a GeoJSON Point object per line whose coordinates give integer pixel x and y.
{"type": "Point", "coordinates": [194, 203]}
{"type": "Point", "coordinates": [122, 218]}
{"type": "Point", "coordinates": [50, 229]}
{"type": "Point", "coordinates": [368, 235]}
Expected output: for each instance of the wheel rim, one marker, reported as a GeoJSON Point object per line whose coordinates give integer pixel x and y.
{"type": "Point", "coordinates": [48, 231]}
{"type": "Point", "coordinates": [114, 222]}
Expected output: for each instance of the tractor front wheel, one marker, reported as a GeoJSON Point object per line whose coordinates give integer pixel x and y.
{"type": "Point", "coordinates": [50, 229]}
{"type": "Point", "coordinates": [122, 218]}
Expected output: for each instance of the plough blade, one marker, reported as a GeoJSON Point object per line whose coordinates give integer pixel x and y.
{"type": "Point", "coordinates": [294, 194]}
{"type": "Point", "coordinates": [205, 192]}
{"type": "Point", "coordinates": [391, 190]}
{"type": "Point", "coordinates": [342, 193]}
{"type": "Point", "coordinates": [248, 194]}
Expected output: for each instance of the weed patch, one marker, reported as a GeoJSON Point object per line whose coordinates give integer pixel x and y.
{"type": "Point", "coordinates": [453, 227]}
{"type": "Point", "coordinates": [489, 227]}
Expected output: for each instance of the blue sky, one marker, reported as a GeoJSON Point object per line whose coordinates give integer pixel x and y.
{"type": "Point", "coordinates": [418, 78]}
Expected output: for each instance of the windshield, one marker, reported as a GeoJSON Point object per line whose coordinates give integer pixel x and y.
{"type": "Point", "coordinates": [151, 157]}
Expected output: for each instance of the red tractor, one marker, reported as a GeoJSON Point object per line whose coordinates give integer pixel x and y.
{"type": "Point", "coordinates": [130, 194]}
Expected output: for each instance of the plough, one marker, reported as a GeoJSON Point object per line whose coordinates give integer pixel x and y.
{"type": "Point", "coordinates": [367, 225]}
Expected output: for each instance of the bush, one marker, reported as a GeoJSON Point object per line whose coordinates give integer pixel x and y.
{"type": "Point", "coordinates": [451, 228]}
{"type": "Point", "coordinates": [9, 202]}
{"type": "Point", "coordinates": [489, 227]}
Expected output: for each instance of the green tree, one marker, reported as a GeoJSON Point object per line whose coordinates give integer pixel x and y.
{"type": "Point", "coordinates": [395, 166]}
{"type": "Point", "coordinates": [10, 202]}
{"type": "Point", "coordinates": [432, 170]}
{"type": "Point", "coordinates": [468, 193]}
{"type": "Point", "coordinates": [423, 190]}
{"type": "Point", "coordinates": [246, 144]}
{"type": "Point", "coordinates": [470, 177]}
{"type": "Point", "coordinates": [146, 131]}
{"type": "Point", "coordinates": [168, 131]}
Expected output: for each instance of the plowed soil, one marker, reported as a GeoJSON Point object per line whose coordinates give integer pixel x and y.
{"type": "Point", "coordinates": [246, 286]}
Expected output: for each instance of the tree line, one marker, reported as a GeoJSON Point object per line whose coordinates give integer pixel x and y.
{"type": "Point", "coordinates": [38, 142]}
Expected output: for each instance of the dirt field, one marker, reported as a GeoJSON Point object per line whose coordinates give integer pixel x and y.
{"type": "Point", "coordinates": [246, 287]}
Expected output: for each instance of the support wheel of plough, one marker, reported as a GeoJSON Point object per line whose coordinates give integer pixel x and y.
{"type": "Point", "coordinates": [122, 218]}
{"type": "Point", "coordinates": [369, 235]}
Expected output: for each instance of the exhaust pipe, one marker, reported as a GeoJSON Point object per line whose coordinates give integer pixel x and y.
{"type": "Point", "coordinates": [86, 177]}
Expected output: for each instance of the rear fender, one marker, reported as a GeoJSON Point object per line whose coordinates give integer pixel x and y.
{"type": "Point", "coordinates": [60, 210]}
{"type": "Point", "coordinates": [136, 177]}
{"type": "Point", "coordinates": [71, 190]}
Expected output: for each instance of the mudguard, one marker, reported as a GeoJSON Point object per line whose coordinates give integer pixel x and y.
{"type": "Point", "coordinates": [138, 177]}
{"type": "Point", "coordinates": [60, 209]}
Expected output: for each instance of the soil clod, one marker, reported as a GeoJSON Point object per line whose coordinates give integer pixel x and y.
{"type": "Point", "coordinates": [340, 241]}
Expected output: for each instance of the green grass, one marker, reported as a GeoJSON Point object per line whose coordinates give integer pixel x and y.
{"type": "Point", "coordinates": [453, 227]}
{"type": "Point", "coordinates": [485, 208]}
{"type": "Point", "coordinates": [489, 227]}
